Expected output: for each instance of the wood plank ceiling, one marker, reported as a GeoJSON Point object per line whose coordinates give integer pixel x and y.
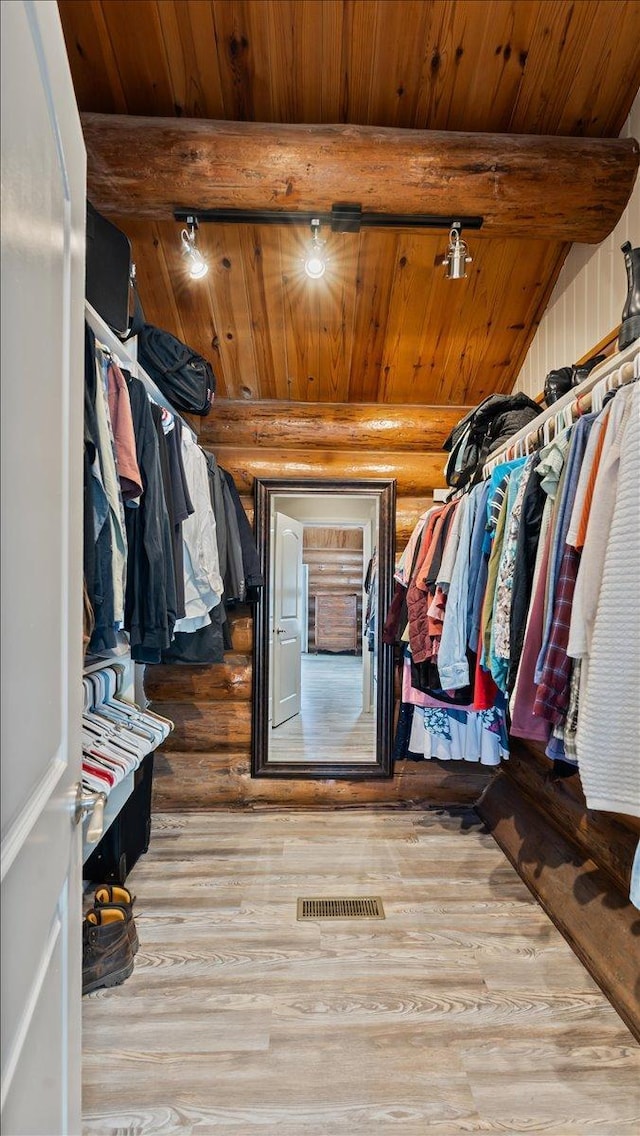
{"type": "Point", "coordinates": [383, 325]}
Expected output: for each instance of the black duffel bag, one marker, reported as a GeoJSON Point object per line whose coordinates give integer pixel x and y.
{"type": "Point", "coordinates": [184, 377]}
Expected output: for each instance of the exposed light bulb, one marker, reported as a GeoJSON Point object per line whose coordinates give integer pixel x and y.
{"type": "Point", "coordinates": [197, 265]}
{"type": "Point", "coordinates": [315, 264]}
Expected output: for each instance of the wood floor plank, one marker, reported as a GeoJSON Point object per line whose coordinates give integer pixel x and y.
{"type": "Point", "coordinates": [331, 726]}
{"type": "Point", "coordinates": [464, 1011]}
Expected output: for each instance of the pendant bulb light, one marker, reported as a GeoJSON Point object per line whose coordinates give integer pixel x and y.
{"type": "Point", "coordinates": [458, 255]}
{"type": "Point", "coordinates": [196, 263]}
{"type": "Point", "coordinates": [315, 264]}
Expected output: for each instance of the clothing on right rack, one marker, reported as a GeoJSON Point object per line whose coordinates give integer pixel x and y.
{"type": "Point", "coordinates": [525, 589]}
{"type": "Point", "coordinates": [608, 725]}
{"type": "Point", "coordinates": [441, 714]}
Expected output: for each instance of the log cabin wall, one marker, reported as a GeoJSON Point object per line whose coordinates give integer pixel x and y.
{"type": "Point", "coordinates": [334, 557]}
{"type": "Point", "coordinates": [205, 762]}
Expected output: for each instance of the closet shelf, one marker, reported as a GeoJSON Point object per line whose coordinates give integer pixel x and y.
{"type": "Point", "coordinates": [100, 664]}
{"type": "Point", "coordinates": [115, 802]}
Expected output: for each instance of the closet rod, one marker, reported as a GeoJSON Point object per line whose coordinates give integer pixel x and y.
{"type": "Point", "coordinates": [614, 363]}
{"type": "Point", "coordinates": [124, 354]}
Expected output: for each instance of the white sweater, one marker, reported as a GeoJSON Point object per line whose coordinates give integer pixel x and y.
{"type": "Point", "coordinates": [608, 738]}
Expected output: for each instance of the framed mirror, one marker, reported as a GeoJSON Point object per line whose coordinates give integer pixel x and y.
{"type": "Point", "coordinates": [322, 676]}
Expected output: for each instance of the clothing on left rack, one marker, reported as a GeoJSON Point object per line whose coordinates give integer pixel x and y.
{"type": "Point", "coordinates": [158, 513]}
{"type": "Point", "coordinates": [151, 591]}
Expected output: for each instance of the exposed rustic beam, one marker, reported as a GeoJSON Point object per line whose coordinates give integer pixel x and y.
{"type": "Point", "coordinates": [572, 189]}
{"type": "Point", "coordinates": [416, 472]}
{"type": "Point", "coordinates": [332, 426]}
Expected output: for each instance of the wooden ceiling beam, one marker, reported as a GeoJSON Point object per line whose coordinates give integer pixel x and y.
{"type": "Point", "coordinates": [569, 189]}
{"type": "Point", "coordinates": [280, 424]}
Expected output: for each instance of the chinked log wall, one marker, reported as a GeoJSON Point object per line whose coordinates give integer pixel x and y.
{"type": "Point", "coordinates": [205, 763]}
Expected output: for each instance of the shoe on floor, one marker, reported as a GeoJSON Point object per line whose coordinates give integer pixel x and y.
{"type": "Point", "coordinates": [107, 957]}
{"type": "Point", "coordinates": [114, 895]}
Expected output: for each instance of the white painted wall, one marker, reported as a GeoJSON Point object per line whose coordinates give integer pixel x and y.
{"type": "Point", "coordinates": [589, 295]}
{"type": "Point", "coordinates": [327, 509]}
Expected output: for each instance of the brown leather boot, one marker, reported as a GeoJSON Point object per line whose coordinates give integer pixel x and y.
{"type": "Point", "coordinates": [107, 958]}
{"type": "Point", "coordinates": [109, 895]}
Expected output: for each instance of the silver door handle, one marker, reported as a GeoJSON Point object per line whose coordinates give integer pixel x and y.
{"type": "Point", "coordinates": [92, 804]}
{"type": "Point", "coordinates": [281, 631]}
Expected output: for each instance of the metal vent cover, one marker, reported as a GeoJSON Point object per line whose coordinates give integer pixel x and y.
{"type": "Point", "coordinates": [336, 907]}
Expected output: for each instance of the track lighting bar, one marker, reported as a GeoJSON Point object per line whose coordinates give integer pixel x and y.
{"type": "Point", "coordinates": [341, 219]}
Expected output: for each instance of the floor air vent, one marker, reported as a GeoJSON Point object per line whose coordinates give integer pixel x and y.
{"type": "Point", "coordinates": [354, 907]}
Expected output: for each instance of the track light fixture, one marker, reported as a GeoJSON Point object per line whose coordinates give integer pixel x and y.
{"type": "Point", "coordinates": [315, 264]}
{"type": "Point", "coordinates": [198, 266]}
{"type": "Point", "coordinates": [458, 255]}
{"type": "Point", "coordinates": [343, 218]}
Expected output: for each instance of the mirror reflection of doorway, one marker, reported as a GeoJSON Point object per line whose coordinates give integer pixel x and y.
{"type": "Point", "coordinates": [333, 719]}
{"type": "Point", "coordinates": [322, 702]}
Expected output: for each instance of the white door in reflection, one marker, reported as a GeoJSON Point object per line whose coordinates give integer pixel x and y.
{"type": "Point", "coordinates": [287, 619]}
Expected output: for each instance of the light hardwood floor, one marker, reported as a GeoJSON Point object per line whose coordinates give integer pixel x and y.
{"type": "Point", "coordinates": [331, 726]}
{"type": "Point", "coordinates": [464, 1012]}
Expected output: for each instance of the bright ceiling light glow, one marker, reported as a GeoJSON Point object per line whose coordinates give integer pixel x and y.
{"type": "Point", "coordinates": [197, 265]}
{"type": "Point", "coordinates": [315, 264]}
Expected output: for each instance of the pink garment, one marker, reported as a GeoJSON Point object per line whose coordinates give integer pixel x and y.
{"type": "Point", "coordinates": [416, 599]}
{"type": "Point", "coordinates": [123, 435]}
{"type": "Point", "coordinates": [524, 723]}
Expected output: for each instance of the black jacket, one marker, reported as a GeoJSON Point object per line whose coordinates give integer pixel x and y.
{"type": "Point", "coordinates": [150, 600]}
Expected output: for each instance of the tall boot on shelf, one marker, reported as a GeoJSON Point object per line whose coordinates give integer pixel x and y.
{"type": "Point", "coordinates": [630, 329]}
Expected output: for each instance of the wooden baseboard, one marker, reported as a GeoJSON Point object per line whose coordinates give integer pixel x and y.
{"type": "Point", "coordinates": [593, 914]}
{"type": "Point", "coordinates": [194, 780]}
{"type": "Point", "coordinates": [607, 839]}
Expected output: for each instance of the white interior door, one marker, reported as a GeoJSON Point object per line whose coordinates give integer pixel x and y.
{"type": "Point", "coordinates": [287, 618]}
{"type": "Point", "coordinates": [43, 205]}
{"type": "Point", "coordinates": [369, 541]}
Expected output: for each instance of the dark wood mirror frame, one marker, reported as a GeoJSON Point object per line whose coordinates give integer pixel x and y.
{"type": "Point", "coordinates": [384, 491]}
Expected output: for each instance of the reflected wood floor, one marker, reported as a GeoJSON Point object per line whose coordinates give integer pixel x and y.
{"type": "Point", "coordinates": [331, 726]}
{"type": "Point", "coordinates": [464, 1012]}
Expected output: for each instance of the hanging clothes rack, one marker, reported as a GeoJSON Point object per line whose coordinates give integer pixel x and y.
{"type": "Point", "coordinates": [126, 356]}
{"type": "Point", "coordinates": [622, 368]}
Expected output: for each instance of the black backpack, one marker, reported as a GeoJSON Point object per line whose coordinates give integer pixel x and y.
{"type": "Point", "coordinates": [489, 425]}
{"type": "Point", "coordinates": [184, 377]}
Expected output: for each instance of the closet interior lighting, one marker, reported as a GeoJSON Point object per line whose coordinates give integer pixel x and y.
{"type": "Point", "coordinates": [197, 265]}
{"type": "Point", "coordinates": [315, 264]}
{"type": "Point", "coordinates": [458, 255]}
{"type": "Point", "coordinates": [343, 218]}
